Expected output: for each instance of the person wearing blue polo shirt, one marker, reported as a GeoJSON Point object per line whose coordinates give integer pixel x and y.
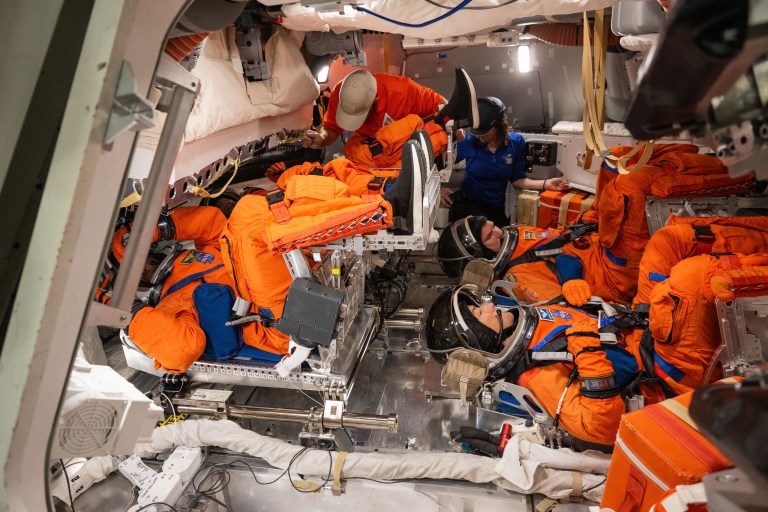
{"type": "Point", "coordinates": [495, 156]}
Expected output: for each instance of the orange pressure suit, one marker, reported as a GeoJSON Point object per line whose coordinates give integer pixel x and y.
{"type": "Point", "coordinates": [611, 257]}
{"type": "Point", "coordinates": [594, 401]}
{"type": "Point", "coordinates": [684, 237]}
{"type": "Point", "coordinates": [540, 281]}
{"type": "Point", "coordinates": [683, 319]}
{"type": "Point", "coordinates": [674, 170]}
{"type": "Point", "coordinates": [368, 163]}
{"type": "Point", "coordinates": [170, 332]}
{"type": "Point", "coordinates": [383, 150]}
{"type": "Point", "coordinates": [310, 210]}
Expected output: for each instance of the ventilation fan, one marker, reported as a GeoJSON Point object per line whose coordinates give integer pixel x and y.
{"type": "Point", "coordinates": [102, 414]}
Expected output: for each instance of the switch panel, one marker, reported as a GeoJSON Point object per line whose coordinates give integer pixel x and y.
{"type": "Point", "coordinates": [540, 153]}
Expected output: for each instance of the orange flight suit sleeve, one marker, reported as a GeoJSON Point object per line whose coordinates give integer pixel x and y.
{"type": "Point", "coordinates": [170, 333]}
{"type": "Point", "coordinates": [586, 417]}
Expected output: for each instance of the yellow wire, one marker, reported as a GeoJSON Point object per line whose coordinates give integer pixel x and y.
{"type": "Point", "coordinates": [134, 197]}
{"type": "Point", "coordinates": [234, 162]}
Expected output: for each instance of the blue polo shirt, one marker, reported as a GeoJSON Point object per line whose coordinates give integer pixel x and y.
{"type": "Point", "coordinates": [488, 173]}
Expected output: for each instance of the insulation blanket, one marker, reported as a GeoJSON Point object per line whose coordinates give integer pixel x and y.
{"type": "Point", "coordinates": [226, 99]}
{"type": "Point", "coordinates": [516, 471]}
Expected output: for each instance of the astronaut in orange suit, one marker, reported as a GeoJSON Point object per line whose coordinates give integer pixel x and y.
{"type": "Point", "coordinates": [170, 329]}
{"type": "Point", "coordinates": [535, 262]}
{"type": "Point", "coordinates": [310, 208]}
{"type": "Point", "coordinates": [585, 393]}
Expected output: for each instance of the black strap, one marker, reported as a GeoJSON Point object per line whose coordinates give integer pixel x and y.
{"type": "Point", "coordinates": [648, 375]}
{"type": "Point", "coordinates": [703, 233]}
{"type": "Point", "coordinates": [376, 183]}
{"type": "Point", "coordinates": [643, 310]}
{"type": "Point", "coordinates": [556, 243]}
{"type": "Point", "coordinates": [275, 196]}
{"type": "Point", "coordinates": [317, 171]}
{"type": "Point", "coordinates": [374, 145]}
{"type": "Point", "coordinates": [527, 362]}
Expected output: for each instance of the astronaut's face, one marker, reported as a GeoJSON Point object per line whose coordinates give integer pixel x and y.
{"type": "Point", "coordinates": [487, 315]}
{"type": "Point", "coordinates": [491, 236]}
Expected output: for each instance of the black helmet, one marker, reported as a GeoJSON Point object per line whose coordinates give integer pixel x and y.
{"type": "Point", "coordinates": [461, 242]}
{"type": "Point", "coordinates": [450, 325]}
{"type": "Point", "coordinates": [491, 112]}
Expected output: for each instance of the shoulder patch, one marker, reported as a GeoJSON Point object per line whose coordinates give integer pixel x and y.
{"type": "Point", "coordinates": [203, 257]}
{"type": "Point", "coordinates": [545, 314]}
{"type": "Point", "coordinates": [529, 235]}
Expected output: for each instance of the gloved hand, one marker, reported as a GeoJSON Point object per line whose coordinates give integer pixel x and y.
{"type": "Point", "coordinates": [577, 292]}
{"type": "Point", "coordinates": [274, 171]}
{"type": "Point", "coordinates": [596, 373]}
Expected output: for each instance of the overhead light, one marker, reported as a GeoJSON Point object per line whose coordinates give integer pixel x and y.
{"type": "Point", "coordinates": [524, 59]}
{"type": "Point", "coordinates": [322, 75]}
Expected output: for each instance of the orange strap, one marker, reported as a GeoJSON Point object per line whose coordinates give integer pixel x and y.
{"type": "Point", "coordinates": [278, 207]}
{"type": "Point", "coordinates": [729, 262]}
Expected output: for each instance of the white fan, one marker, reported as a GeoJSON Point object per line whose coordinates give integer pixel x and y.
{"type": "Point", "coordinates": [102, 414]}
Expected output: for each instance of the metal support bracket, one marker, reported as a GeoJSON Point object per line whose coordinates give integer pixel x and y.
{"type": "Point", "coordinates": [130, 111]}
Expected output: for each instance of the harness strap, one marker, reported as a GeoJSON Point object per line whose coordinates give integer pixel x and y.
{"type": "Point", "coordinates": [527, 362]}
{"type": "Point", "coordinates": [376, 183]}
{"type": "Point", "coordinates": [703, 233]}
{"type": "Point", "coordinates": [276, 202]}
{"type": "Point", "coordinates": [553, 247]}
{"type": "Point", "coordinates": [374, 146]}
{"type": "Point", "coordinates": [336, 486]}
{"type": "Point", "coordinates": [194, 277]}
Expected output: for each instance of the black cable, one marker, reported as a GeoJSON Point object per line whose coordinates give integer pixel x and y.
{"type": "Point", "coordinates": [483, 8]}
{"type": "Point", "coordinates": [387, 482]}
{"type": "Point", "coordinates": [327, 478]}
{"type": "Point", "coordinates": [69, 489]}
{"type": "Point", "coordinates": [145, 507]}
{"type": "Point", "coordinates": [594, 486]}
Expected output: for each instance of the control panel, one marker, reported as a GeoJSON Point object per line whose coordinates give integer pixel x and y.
{"type": "Point", "coordinates": [540, 153]}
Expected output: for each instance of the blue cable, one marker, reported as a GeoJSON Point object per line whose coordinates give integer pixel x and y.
{"type": "Point", "coordinates": [414, 25]}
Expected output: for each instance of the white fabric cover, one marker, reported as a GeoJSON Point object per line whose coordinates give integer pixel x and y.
{"type": "Point", "coordinates": [89, 472]}
{"type": "Point", "coordinates": [565, 127]}
{"type": "Point", "coordinates": [465, 21]}
{"type": "Point", "coordinates": [524, 462]}
{"type": "Point", "coordinates": [534, 477]}
{"type": "Point", "coordinates": [227, 100]}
